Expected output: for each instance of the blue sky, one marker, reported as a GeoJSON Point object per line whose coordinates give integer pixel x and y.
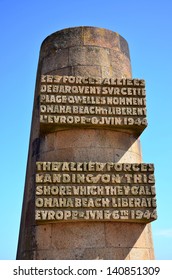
{"type": "Point", "coordinates": [147, 26]}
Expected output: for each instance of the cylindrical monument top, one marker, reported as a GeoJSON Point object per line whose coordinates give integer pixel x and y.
{"type": "Point", "coordinates": [86, 51]}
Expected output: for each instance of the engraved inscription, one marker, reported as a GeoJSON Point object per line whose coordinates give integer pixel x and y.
{"type": "Point", "coordinates": [67, 191]}
{"type": "Point", "coordinates": [92, 102]}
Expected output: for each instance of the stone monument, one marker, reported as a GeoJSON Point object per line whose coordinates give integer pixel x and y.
{"type": "Point", "coordinates": [88, 195]}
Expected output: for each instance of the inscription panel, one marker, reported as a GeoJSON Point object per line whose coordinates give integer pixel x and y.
{"type": "Point", "coordinates": [95, 191]}
{"type": "Point", "coordinates": [92, 102]}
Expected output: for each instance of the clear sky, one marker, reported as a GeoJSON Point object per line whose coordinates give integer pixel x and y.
{"type": "Point", "coordinates": [147, 27]}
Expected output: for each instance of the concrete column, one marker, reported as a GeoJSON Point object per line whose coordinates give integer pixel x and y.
{"type": "Point", "coordinates": [94, 52]}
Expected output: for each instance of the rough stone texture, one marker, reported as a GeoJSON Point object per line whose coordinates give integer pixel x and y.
{"type": "Point", "coordinates": [82, 51]}
{"type": "Point", "coordinates": [89, 145]}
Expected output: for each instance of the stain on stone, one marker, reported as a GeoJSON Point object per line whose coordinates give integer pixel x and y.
{"type": "Point", "coordinates": [124, 46]}
{"type": "Point", "coordinates": [35, 146]}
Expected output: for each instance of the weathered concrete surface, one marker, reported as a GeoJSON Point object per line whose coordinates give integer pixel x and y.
{"type": "Point", "coordinates": [83, 51]}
